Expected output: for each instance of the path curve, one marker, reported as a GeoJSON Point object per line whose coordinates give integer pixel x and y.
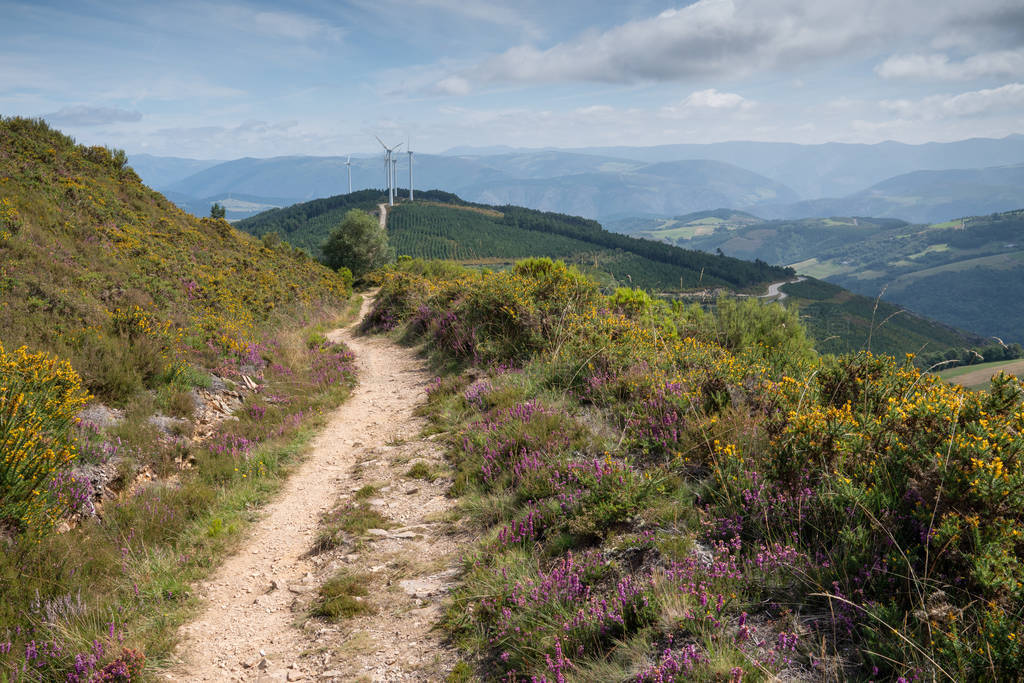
{"type": "Point", "coordinates": [254, 628]}
{"type": "Point", "coordinates": [774, 289]}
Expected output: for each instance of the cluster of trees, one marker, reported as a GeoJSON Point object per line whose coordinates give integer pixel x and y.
{"type": "Point", "coordinates": [967, 356]}
{"type": "Point", "coordinates": [307, 225]}
{"type": "Point", "coordinates": [358, 243]}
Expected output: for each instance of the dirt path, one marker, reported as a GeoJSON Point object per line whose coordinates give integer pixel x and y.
{"type": "Point", "coordinates": [383, 216]}
{"type": "Point", "coordinates": [255, 628]}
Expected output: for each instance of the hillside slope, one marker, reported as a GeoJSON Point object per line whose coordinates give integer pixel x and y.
{"type": "Point", "coordinates": [201, 349]}
{"type": "Point", "coordinates": [90, 256]}
{"type": "Point", "coordinates": [840, 321]}
{"type": "Point", "coordinates": [442, 226]}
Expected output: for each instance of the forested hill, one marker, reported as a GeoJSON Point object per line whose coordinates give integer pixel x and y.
{"type": "Point", "coordinates": [439, 225]}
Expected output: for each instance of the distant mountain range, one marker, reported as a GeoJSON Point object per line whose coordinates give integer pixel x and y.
{"type": "Point", "coordinates": [922, 196]}
{"type": "Point", "coordinates": [918, 183]}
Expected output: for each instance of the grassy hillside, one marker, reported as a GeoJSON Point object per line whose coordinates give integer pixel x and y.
{"type": "Point", "coordinates": [661, 494]}
{"type": "Point", "coordinates": [111, 506]}
{"type": "Point", "coordinates": [88, 252]}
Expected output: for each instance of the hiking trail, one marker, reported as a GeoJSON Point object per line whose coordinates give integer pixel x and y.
{"type": "Point", "coordinates": [254, 625]}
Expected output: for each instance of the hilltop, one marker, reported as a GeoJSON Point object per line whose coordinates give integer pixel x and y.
{"type": "Point", "coordinates": [440, 225]}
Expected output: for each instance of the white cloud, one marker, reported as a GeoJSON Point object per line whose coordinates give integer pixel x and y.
{"type": "Point", "coordinates": [739, 37]}
{"type": "Point", "coordinates": [1002, 63]}
{"type": "Point", "coordinates": [713, 99]}
{"type": "Point", "coordinates": [973, 103]}
{"type": "Point", "coordinates": [285, 25]}
{"type": "Point", "coordinates": [452, 85]}
{"type": "Point", "coordinates": [708, 105]}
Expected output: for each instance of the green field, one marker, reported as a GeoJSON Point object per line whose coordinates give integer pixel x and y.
{"type": "Point", "coordinates": [977, 377]}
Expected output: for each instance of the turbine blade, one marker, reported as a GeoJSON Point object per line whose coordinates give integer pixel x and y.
{"type": "Point", "coordinates": [381, 142]}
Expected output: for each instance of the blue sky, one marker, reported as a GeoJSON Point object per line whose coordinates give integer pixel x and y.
{"type": "Point", "coordinates": [224, 80]}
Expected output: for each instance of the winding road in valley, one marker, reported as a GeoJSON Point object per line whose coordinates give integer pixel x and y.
{"type": "Point", "coordinates": [774, 289]}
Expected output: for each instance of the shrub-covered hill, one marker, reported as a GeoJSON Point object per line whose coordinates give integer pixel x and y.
{"type": "Point", "coordinates": [106, 273]}
{"type": "Point", "coordinates": [439, 225]}
{"type": "Point", "coordinates": [660, 493]}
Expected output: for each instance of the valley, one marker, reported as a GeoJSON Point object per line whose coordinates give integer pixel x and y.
{"type": "Point", "coordinates": [945, 270]}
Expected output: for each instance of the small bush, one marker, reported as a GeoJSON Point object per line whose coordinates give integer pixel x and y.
{"type": "Point", "coordinates": [422, 470]}
{"type": "Point", "coordinates": [343, 597]}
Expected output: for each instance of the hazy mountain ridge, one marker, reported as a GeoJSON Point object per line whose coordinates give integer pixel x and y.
{"type": "Point", "coordinates": [922, 196]}
{"type": "Point", "coordinates": [774, 180]}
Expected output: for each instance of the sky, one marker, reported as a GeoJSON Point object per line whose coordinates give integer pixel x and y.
{"type": "Point", "coordinates": [231, 79]}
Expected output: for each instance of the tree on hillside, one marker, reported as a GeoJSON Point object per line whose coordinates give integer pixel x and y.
{"type": "Point", "coordinates": [358, 243]}
{"type": "Point", "coordinates": [217, 211]}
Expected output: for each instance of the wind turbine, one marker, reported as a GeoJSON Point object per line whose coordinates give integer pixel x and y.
{"type": "Point", "coordinates": [388, 169]}
{"type": "Point", "coordinates": [348, 162]}
{"type": "Point", "coordinates": [408, 150]}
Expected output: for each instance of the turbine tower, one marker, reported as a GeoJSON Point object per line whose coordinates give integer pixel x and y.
{"type": "Point", "coordinates": [348, 162]}
{"type": "Point", "coordinates": [394, 174]}
{"type": "Point", "coordinates": [388, 169]}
